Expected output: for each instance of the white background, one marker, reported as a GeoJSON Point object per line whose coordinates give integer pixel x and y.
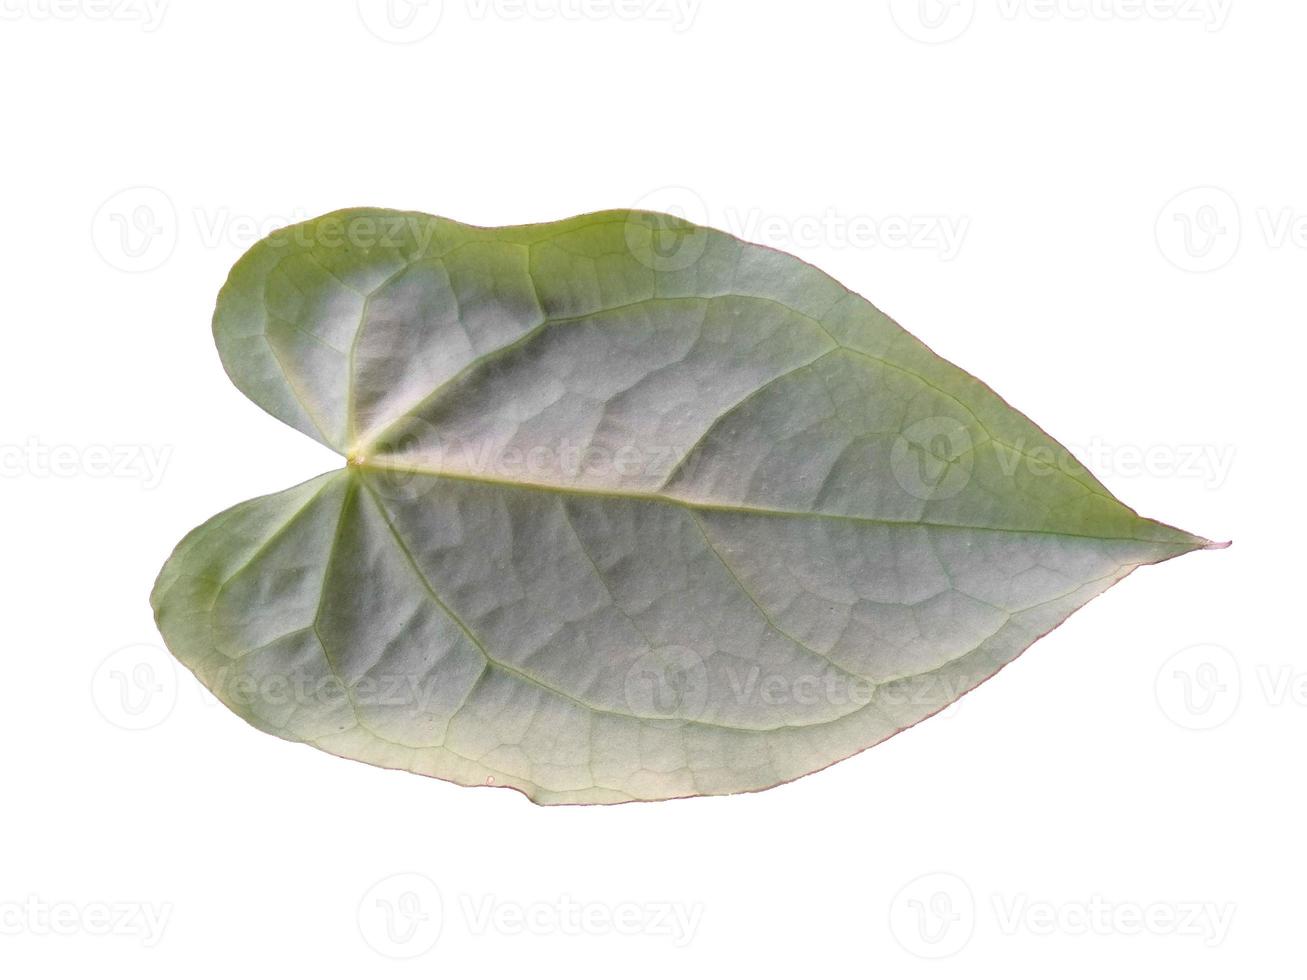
{"type": "Point", "coordinates": [1106, 221]}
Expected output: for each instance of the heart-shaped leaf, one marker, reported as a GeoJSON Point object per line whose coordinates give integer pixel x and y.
{"type": "Point", "coordinates": [632, 510]}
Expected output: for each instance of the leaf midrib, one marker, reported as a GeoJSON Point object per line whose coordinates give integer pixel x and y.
{"type": "Point", "coordinates": [710, 506]}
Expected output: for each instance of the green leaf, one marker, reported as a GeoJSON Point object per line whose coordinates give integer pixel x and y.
{"type": "Point", "coordinates": [632, 510]}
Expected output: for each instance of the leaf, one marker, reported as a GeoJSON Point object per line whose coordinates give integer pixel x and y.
{"type": "Point", "coordinates": [632, 510]}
